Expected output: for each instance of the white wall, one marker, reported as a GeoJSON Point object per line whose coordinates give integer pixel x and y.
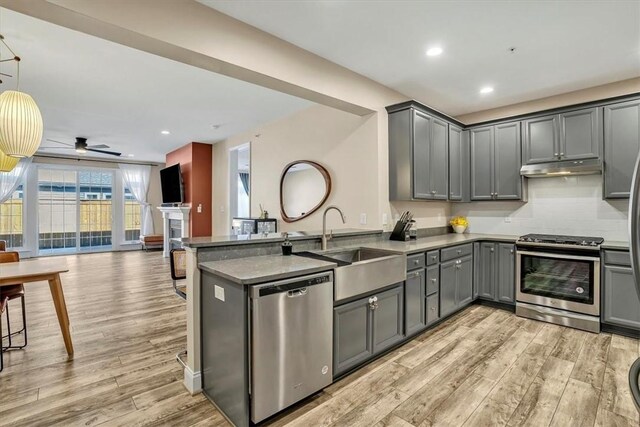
{"type": "Point", "coordinates": [560, 205]}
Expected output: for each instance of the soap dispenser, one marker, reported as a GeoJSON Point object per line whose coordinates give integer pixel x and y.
{"type": "Point", "coordinates": [287, 247]}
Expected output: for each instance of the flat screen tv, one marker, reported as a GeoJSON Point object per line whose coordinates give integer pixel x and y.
{"type": "Point", "coordinates": [172, 185]}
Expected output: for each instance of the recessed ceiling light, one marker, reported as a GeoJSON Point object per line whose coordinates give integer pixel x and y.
{"type": "Point", "coordinates": [165, 132]}
{"type": "Point", "coordinates": [486, 89]}
{"type": "Point", "coordinates": [129, 155]}
{"type": "Point", "coordinates": [215, 126]}
{"type": "Point", "coordinates": [434, 51]}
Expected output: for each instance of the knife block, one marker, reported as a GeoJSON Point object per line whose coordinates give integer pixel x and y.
{"type": "Point", "coordinates": [399, 233]}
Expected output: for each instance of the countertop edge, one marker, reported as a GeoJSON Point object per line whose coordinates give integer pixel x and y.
{"type": "Point", "coordinates": [268, 278]}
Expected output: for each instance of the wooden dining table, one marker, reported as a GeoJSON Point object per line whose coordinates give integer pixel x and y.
{"type": "Point", "coordinates": [38, 270]}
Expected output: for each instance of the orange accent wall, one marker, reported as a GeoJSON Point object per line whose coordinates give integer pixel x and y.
{"type": "Point", "coordinates": [195, 161]}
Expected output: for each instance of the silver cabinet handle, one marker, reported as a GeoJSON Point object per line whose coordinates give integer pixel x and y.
{"type": "Point", "coordinates": [459, 251]}
{"type": "Point", "coordinates": [561, 154]}
{"type": "Point", "coordinates": [434, 257]}
{"type": "Point", "coordinates": [492, 249]}
{"type": "Point", "coordinates": [416, 261]}
{"type": "Point", "coordinates": [434, 280]}
{"type": "Point", "coordinates": [511, 251]}
{"type": "Point", "coordinates": [555, 154]}
{"type": "Point", "coordinates": [433, 309]}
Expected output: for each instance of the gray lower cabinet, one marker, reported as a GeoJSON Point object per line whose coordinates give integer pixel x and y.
{"type": "Point", "coordinates": [458, 164]}
{"type": "Point", "coordinates": [456, 284]}
{"type": "Point", "coordinates": [572, 135]}
{"type": "Point", "coordinates": [620, 302]}
{"type": "Point", "coordinates": [496, 272]}
{"type": "Point", "coordinates": [495, 162]}
{"type": "Point", "coordinates": [366, 327]}
{"type": "Point", "coordinates": [415, 302]}
{"type": "Point", "coordinates": [433, 308]}
{"type": "Point", "coordinates": [621, 147]}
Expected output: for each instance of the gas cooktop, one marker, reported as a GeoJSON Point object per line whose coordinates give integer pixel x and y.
{"type": "Point", "coordinates": [561, 241]}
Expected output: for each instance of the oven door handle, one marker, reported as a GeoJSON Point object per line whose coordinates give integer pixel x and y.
{"type": "Point", "coordinates": [559, 256]}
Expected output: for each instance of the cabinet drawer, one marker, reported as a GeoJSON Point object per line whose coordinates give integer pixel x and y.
{"type": "Point", "coordinates": [455, 252]}
{"type": "Point", "coordinates": [415, 261]}
{"type": "Point", "coordinates": [433, 257]}
{"type": "Point", "coordinates": [617, 258]}
{"type": "Point", "coordinates": [433, 279]}
{"type": "Point", "coordinates": [433, 308]}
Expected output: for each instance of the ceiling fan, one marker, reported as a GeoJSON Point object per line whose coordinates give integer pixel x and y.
{"type": "Point", "coordinates": [81, 147]}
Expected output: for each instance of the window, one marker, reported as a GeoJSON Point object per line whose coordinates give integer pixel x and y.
{"type": "Point", "coordinates": [132, 216]}
{"type": "Point", "coordinates": [11, 219]}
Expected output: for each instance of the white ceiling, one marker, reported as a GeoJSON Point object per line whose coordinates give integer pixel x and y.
{"type": "Point", "coordinates": [122, 97]}
{"type": "Point", "coordinates": [561, 45]}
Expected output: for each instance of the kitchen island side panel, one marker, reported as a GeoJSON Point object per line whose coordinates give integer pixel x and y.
{"type": "Point", "coordinates": [225, 352]}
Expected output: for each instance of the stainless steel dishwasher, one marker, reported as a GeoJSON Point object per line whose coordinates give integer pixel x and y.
{"type": "Point", "coordinates": [291, 342]}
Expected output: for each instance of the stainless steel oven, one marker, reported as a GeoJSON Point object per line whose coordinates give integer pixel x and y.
{"type": "Point", "coordinates": [559, 282]}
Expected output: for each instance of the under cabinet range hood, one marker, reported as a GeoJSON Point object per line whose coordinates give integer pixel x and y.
{"type": "Point", "coordinates": [562, 168]}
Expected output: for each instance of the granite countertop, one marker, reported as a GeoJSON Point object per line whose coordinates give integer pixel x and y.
{"type": "Point", "coordinates": [428, 243]}
{"type": "Point", "coordinates": [260, 269]}
{"type": "Point", "coordinates": [213, 241]}
{"type": "Point", "coordinates": [612, 244]}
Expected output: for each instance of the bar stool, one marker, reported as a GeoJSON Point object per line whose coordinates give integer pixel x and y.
{"type": "Point", "coordinates": [3, 307]}
{"type": "Point", "coordinates": [178, 263]}
{"type": "Point", "coordinates": [11, 293]}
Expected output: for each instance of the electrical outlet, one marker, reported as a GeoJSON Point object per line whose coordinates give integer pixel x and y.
{"type": "Point", "coordinates": [199, 208]}
{"type": "Point", "coordinates": [363, 219]}
{"type": "Point", "coordinates": [385, 219]}
{"type": "Point", "coordinates": [221, 208]}
{"type": "Point", "coordinates": [507, 219]}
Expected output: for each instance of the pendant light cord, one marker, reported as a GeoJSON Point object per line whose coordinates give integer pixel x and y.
{"type": "Point", "coordinates": [15, 58]}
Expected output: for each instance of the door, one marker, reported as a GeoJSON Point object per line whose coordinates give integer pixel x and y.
{"type": "Point", "coordinates": [448, 287]}
{"type": "Point", "coordinates": [541, 140]}
{"type": "Point", "coordinates": [352, 338]}
{"type": "Point", "coordinates": [439, 159]}
{"type": "Point", "coordinates": [456, 163]}
{"type": "Point", "coordinates": [486, 275]}
{"type": "Point", "coordinates": [580, 134]}
{"type": "Point", "coordinates": [621, 305]}
{"type": "Point", "coordinates": [414, 301]}
{"type": "Point", "coordinates": [508, 182]}
{"type": "Point", "coordinates": [464, 281]}
{"type": "Point", "coordinates": [621, 147]}
{"type": "Point", "coordinates": [388, 325]}
{"type": "Point", "coordinates": [421, 155]}
{"type": "Point", "coordinates": [481, 141]}
{"type": "Point", "coordinates": [506, 272]}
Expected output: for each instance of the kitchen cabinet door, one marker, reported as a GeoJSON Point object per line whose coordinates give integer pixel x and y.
{"type": "Point", "coordinates": [414, 302]}
{"type": "Point", "coordinates": [487, 275]}
{"type": "Point", "coordinates": [621, 147]}
{"type": "Point", "coordinates": [464, 282]}
{"type": "Point", "coordinates": [433, 308]}
{"type": "Point", "coordinates": [458, 164]}
{"type": "Point", "coordinates": [481, 141]}
{"type": "Point", "coordinates": [506, 272]}
{"type": "Point", "coordinates": [580, 134]}
{"type": "Point", "coordinates": [541, 142]}
{"type": "Point", "coordinates": [508, 182]}
{"type": "Point", "coordinates": [421, 155]}
{"type": "Point", "coordinates": [620, 305]}
{"type": "Point", "coordinates": [448, 287]}
{"type": "Point", "coordinates": [388, 324]}
{"type": "Point", "coordinates": [439, 160]}
{"type": "Point", "coordinates": [352, 338]}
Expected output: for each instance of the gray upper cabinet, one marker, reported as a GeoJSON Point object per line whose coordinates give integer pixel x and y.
{"type": "Point", "coordinates": [481, 141]}
{"type": "Point", "coordinates": [541, 139]}
{"type": "Point", "coordinates": [621, 147]}
{"type": "Point", "coordinates": [507, 179]}
{"type": "Point", "coordinates": [418, 156]}
{"type": "Point", "coordinates": [458, 164]}
{"type": "Point", "coordinates": [580, 134]}
{"type": "Point", "coordinates": [573, 135]}
{"type": "Point", "coordinates": [495, 162]}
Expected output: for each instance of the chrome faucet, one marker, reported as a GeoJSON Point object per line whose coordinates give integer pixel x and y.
{"type": "Point", "coordinates": [326, 237]}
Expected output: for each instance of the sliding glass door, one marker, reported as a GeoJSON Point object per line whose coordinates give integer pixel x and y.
{"type": "Point", "coordinates": [75, 211]}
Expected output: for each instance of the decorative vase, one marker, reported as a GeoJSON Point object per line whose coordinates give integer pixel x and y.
{"type": "Point", "coordinates": [459, 228]}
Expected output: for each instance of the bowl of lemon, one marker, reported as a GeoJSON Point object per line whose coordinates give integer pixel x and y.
{"type": "Point", "coordinates": [459, 224]}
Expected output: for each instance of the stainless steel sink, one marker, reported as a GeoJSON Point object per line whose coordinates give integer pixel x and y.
{"type": "Point", "coordinates": [366, 271]}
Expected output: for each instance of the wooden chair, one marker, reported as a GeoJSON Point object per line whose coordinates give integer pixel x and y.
{"type": "Point", "coordinates": [11, 293]}
{"type": "Point", "coordinates": [178, 260]}
{"type": "Point", "coordinates": [3, 245]}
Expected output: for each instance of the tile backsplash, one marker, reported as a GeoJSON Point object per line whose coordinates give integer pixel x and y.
{"type": "Point", "coordinates": [562, 205]}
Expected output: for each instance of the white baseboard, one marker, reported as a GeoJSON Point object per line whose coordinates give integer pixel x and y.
{"type": "Point", "coordinates": [192, 381]}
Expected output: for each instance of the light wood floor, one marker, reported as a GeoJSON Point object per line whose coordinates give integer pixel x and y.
{"type": "Point", "coordinates": [483, 367]}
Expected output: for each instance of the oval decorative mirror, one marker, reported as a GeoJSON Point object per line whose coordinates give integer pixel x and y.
{"type": "Point", "coordinates": [304, 187]}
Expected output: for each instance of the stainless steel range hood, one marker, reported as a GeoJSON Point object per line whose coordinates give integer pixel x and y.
{"type": "Point", "coordinates": [562, 168]}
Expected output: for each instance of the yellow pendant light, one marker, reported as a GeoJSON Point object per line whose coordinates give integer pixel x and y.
{"type": "Point", "coordinates": [7, 163]}
{"type": "Point", "coordinates": [20, 119]}
{"type": "Point", "coordinates": [20, 124]}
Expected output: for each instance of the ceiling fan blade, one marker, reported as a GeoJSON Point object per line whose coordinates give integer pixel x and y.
{"type": "Point", "coordinates": [60, 142]}
{"type": "Point", "coordinates": [56, 148]}
{"type": "Point", "coordinates": [99, 146]}
{"type": "Point", "coordinates": [113, 153]}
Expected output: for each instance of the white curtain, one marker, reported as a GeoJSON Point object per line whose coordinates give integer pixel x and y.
{"type": "Point", "coordinates": [136, 178]}
{"type": "Point", "coordinates": [9, 181]}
